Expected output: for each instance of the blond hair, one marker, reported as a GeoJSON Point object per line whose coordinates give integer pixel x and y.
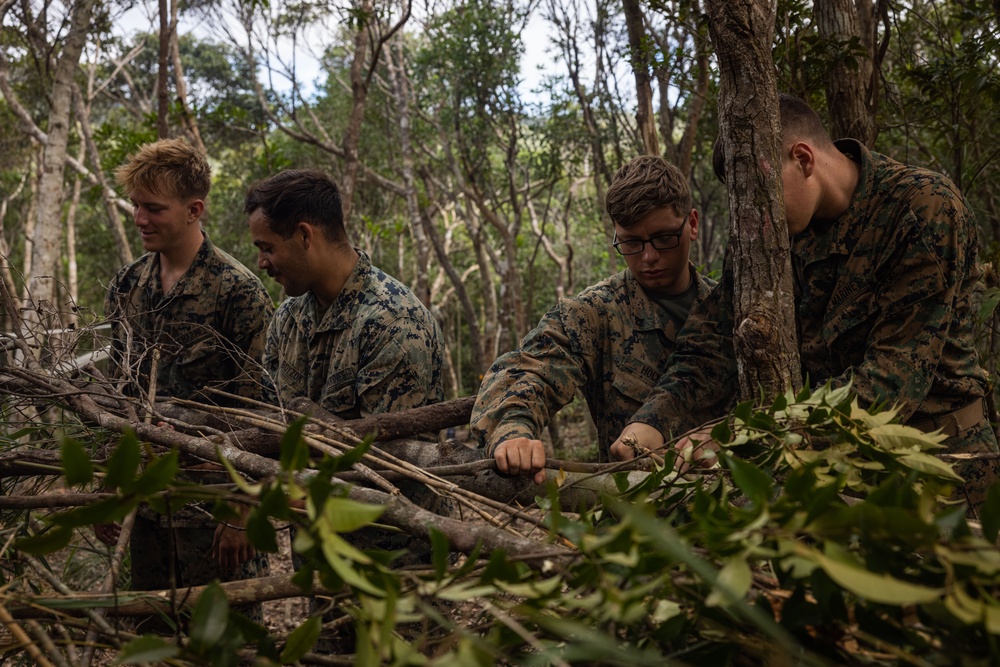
{"type": "Point", "coordinates": [169, 167]}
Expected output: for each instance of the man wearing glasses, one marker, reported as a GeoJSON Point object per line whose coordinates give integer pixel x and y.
{"type": "Point", "coordinates": [612, 341]}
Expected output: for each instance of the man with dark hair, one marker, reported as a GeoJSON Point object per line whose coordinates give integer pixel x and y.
{"type": "Point", "coordinates": [351, 338]}
{"type": "Point", "coordinates": [612, 341]}
{"type": "Point", "coordinates": [885, 263]}
{"type": "Point", "coordinates": [184, 317]}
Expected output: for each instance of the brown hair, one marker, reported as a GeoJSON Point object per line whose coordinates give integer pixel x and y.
{"type": "Point", "coordinates": [799, 122]}
{"type": "Point", "coordinates": [298, 195]}
{"type": "Point", "coordinates": [645, 184]}
{"type": "Point", "coordinates": [170, 167]}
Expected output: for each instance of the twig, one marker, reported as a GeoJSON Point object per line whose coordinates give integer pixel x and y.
{"type": "Point", "coordinates": [22, 637]}
{"type": "Point", "coordinates": [110, 582]}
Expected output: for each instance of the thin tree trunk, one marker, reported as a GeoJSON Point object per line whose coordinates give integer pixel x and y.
{"type": "Point", "coordinates": [46, 240]}
{"type": "Point", "coordinates": [191, 130]}
{"type": "Point", "coordinates": [637, 40]}
{"type": "Point", "coordinates": [162, 94]}
{"type": "Point", "coordinates": [848, 85]}
{"type": "Point", "coordinates": [764, 332]}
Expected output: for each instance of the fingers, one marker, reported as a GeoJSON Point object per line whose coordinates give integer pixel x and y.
{"type": "Point", "coordinates": [522, 456]}
{"type": "Point", "coordinates": [107, 533]}
{"type": "Point", "coordinates": [622, 452]}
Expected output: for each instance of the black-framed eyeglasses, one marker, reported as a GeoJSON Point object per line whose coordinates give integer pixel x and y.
{"type": "Point", "coordinates": [659, 242]}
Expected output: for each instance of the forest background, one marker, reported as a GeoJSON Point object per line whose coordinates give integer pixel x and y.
{"type": "Point", "coordinates": [482, 193]}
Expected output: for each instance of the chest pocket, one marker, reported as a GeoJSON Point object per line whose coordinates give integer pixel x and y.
{"type": "Point", "coordinates": [633, 381]}
{"type": "Point", "coordinates": [340, 393]}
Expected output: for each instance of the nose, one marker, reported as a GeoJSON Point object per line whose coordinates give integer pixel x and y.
{"type": "Point", "coordinates": [262, 262]}
{"type": "Point", "coordinates": [649, 253]}
{"type": "Point", "coordinates": [139, 216]}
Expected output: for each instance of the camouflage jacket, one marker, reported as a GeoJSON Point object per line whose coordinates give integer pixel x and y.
{"type": "Point", "coordinates": [883, 295]}
{"type": "Point", "coordinates": [611, 342]}
{"type": "Point", "coordinates": [376, 349]}
{"type": "Point", "coordinates": [209, 329]}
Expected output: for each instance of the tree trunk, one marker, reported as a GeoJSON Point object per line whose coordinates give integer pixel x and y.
{"type": "Point", "coordinates": [401, 93]}
{"type": "Point", "coordinates": [190, 122]}
{"type": "Point", "coordinates": [851, 88]}
{"type": "Point", "coordinates": [46, 241]}
{"type": "Point", "coordinates": [764, 332]}
{"type": "Point", "coordinates": [162, 96]}
{"type": "Point", "coordinates": [639, 48]}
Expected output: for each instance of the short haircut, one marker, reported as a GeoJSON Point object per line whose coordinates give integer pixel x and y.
{"type": "Point", "coordinates": [167, 168]}
{"type": "Point", "coordinates": [799, 122]}
{"type": "Point", "coordinates": [645, 184]}
{"type": "Point", "coordinates": [298, 195]}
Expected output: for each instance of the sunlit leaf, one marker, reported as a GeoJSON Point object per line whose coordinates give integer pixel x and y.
{"type": "Point", "coordinates": [840, 566]}
{"type": "Point", "coordinates": [732, 583]}
{"type": "Point", "coordinates": [345, 515]}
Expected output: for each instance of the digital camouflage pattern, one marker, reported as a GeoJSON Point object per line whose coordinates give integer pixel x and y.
{"type": "Point", "coordinates": [611, 342]}
{"type": "Point", "coordinates": [883, 296]}
{"type": "Point", "coordinates": [376, 349]}
{"type": "Point", "coordinates": [210, 332]}
{"type": "Point", "coordinates": [209, 328]}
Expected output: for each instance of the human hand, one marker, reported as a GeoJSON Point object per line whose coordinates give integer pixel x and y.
{"type": "Point", "coordinates": [636, 437]}
{"type": "Point", "coordinates": [107, 533]}
{"type": "Point", "coordinates": [231, 547]}
{"type": "Point", "coordinates": [521, 456]}
{"type": "Point", "coordinates": [696, 448]}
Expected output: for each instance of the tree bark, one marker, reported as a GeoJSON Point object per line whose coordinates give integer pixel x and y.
{"type": "Point", "coordinates": [639, 50]}
{"type": "Point", "coordinates": [764, 331]}
{"type": "Point", "coordinates": [46, 240]}
{"type": "Point", "coordinates": [162, 94]}
{"type": "Point", "coordinates": [852, 83]}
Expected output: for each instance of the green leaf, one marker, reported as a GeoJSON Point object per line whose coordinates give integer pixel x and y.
{"type": "Point", "coordinates": [354, 455]}
{"type": "Point", "coordinates": [261, 532]}
{"type": "Point", "coordinates": [123, 463]}
{"type": "Point", "coordinates": [344, 515]}
{"type": "Point", "coordinates": [848, 573]}
{"type": "Point", "coordinates": [989, 513]}
{"type": "Point", "coordinates": [294, 451]}
{"type": "Point", "coordinates": [211, 613]}
{"type": "Point", "coordinates": [752, 481]}
{"type": "Point", "coordinates": [721, 432]}
{"type": "Point", "coordinates": [900, 436]}
{"type": "Point", "coordinates": [930, 465]}
{"type": "Point", "coordinates": [160, 472]}
{"type": "Point", "coordinates": [301, 640]}
{"type": "Point", "coordinates": [76, 463]}
{"type": "Point", "coordinates": [439, 553]}
{"type": "Point", "coordinates": [732, 583]}
{"type": "Point", "coordinates": [45, 543]}
{"type": "Point", "coordinates": [146, 649]}
{"type": "Point", "coordinates": [103, 511]}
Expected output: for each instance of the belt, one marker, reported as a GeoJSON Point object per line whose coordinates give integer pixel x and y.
{"type": "Point", "coordinates": [957, 421]}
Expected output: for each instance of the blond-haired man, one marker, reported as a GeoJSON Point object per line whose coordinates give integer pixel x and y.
{"type": "Point", "coordinates": [199, 317]}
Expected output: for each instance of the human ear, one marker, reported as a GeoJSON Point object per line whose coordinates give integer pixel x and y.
{"type": "Point", "coordinates": [804, 157]}
{"type": "Point", "coordinates": [195, 208]}
{"type": "Point", "coordinates": [305, 231]}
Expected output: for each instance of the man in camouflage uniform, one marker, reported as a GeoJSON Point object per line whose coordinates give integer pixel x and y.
{"type": "Point", "coordinates": [613, 340]}
{"type": "Point", "coordinates": [198, 316]}
{"type": "Point", "coordinates": [885, 261]}
{"type": "Point", "coordinates": [352, 339]}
